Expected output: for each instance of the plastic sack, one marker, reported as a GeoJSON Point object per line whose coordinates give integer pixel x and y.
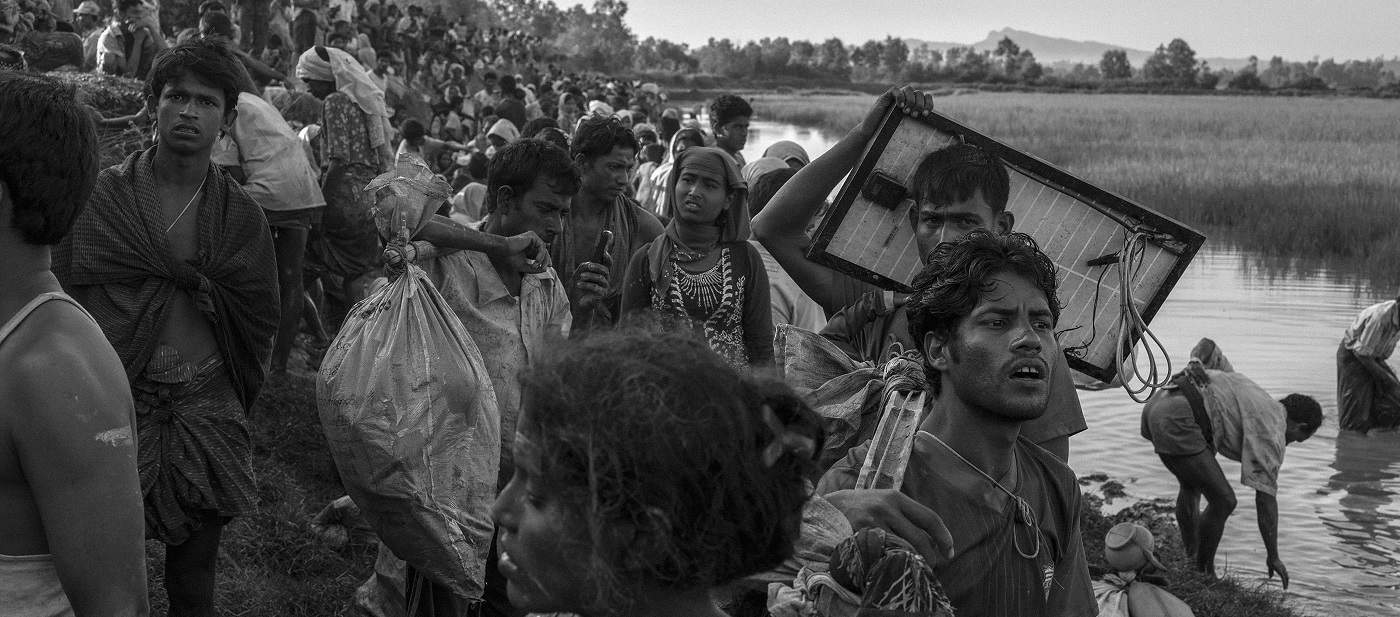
{"type": "Point", "coordinates": [412, 423]}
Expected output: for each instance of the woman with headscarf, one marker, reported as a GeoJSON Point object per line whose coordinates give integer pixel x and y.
{"type": "Point", "coordinates": [789, 152]}
{"type": "Point", "coordinates": [702, 273]}
{"type": "Point", "coordinates": [569, 111]}
{"type": "Point", "coordinates": [651, 191]}
{"type": "Point", "coordinates": [354, 148]}
{"type": "Point", "coordinates": [501, 133]}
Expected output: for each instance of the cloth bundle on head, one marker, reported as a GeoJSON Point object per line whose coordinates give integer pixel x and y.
{"type": "Point", "coordinates": [351, 79]}
{"type": "Point", "coordinates": [506, 130]}
{"type": "Point", "coordinates": [733, 221]}
{"type": "Point", "coordinates": [788, 151]}
{"type": "Point", "coordinates": [756, 168]}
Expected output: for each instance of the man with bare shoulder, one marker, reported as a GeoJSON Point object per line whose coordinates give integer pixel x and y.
{"type": "Point", "coordinates": [70, 501]}
{"type": "Point", "coordinates": [176, 262]}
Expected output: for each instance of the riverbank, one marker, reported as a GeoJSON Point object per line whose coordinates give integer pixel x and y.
{"type": "Point", "coordinates": [1225, 597]}
{"type": "Point", "coordinates": [1289, 178]}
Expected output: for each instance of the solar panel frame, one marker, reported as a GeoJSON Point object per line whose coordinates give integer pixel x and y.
{"type": "Point", "coordinates": [850, 221]}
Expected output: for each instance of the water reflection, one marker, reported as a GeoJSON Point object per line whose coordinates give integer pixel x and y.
{"type": "Point", "coordinates": [1367, 467]}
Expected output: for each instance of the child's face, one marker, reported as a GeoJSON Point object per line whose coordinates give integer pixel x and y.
{"type": "Point", "coordinates": [543, 547]}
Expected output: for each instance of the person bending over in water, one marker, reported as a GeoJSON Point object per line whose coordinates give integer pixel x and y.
{"type": "Point", "coordinates": [1209, 409]}
{"type": "Point", "coordinates": [648, 471]}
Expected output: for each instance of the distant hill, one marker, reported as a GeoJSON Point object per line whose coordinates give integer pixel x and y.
{"type": "Point", "coordinates": [1051, 50]}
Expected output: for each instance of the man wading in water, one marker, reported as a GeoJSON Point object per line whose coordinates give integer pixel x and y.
{"type": "Point", "coordinates": [176, 263]}
{"type": "Point", "coordinates": [70, 501]}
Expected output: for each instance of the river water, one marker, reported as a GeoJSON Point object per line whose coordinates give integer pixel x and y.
{"type": "Point", "coordinates": [1339, 494]}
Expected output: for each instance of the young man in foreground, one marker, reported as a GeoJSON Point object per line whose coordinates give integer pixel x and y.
{"type": "Point", "coordinates": [1211, 409]}
{"type": "Point", "coordinates": [955, 190]}
{"type": "Point", "coordinates": [176, 263]}
{"type": "Point", "coordinates": [997, 516]}
{"type": "Point", "coordinates": [70, 497]}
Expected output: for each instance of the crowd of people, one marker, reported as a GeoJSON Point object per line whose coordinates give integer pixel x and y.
{"type": "Point", "coordinates": [623, 271]}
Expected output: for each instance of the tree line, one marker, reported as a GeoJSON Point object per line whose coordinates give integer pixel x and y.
{"type": "Point", "coordinates": [599, 39]}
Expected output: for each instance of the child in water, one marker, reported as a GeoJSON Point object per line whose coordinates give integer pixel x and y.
{"type": "Point", "coordinates": [648, 471]}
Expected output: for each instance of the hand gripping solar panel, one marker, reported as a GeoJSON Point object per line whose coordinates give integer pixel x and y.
{"type": "Point", "coordinates": [1083, 228]}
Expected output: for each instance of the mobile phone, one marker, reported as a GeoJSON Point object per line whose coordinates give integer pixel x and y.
{"type": "Point", "coordinates": [600, 252]}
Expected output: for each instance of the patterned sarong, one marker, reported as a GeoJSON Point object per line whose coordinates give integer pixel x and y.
{"type": "Point", "coordinates": [194, 452]}
{"type": "Point", "coordinates": [117, 263]}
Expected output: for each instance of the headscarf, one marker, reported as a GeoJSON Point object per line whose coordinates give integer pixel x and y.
{"type": "Point", "coordinates": [350, 79]}
{"type": "Point", "coordinates": [735, 223]}
{"type": "Point", "coordinates": [506, 129]}
{"type": "Point", "coordinates": [600, 107]}
{"type": "Point", "coordinates": [758, 167]}
{"type": "Point", "coordinates": [787, 151]}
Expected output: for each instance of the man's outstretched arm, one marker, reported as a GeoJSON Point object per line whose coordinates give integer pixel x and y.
{"type": "Point", "coordinates": [781, 226]}
{"type": "Point", "coordinates": [1267, 507]}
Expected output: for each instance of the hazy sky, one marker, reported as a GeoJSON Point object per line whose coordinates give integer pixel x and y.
{"type": "Point", "coordinates": [1295, 29]}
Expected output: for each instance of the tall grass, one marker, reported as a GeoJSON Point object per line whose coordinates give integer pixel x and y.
{"type": "Point", "coordinates": [1312, 182]}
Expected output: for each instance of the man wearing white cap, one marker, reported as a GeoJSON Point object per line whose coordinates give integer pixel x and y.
{"type": "Point", "coordinates": [87, 22]}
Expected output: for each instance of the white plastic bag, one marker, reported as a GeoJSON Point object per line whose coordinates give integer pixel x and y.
{"type": "Point", "coordinates": [411, 418]}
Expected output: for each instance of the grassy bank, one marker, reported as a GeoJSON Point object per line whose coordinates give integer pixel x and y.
{"type": "Point", "coordinates": [1225, 597]}
{"type": "Point", "coordinates": [1309, 182]}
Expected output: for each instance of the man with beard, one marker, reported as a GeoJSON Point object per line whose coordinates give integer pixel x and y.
{"type": "Point", "coordinates": [175, 262]}
{"type": "Point", "coordinates": [995, 515]}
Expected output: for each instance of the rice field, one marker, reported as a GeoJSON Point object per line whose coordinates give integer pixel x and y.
{"type": "Point", "coordinates": [1309, 183]}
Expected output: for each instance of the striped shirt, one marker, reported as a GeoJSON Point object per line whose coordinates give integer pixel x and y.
{"type": "Point", "coordinates": [1374, 332]}
{"type": "Point", "coordinates": [990, 575]}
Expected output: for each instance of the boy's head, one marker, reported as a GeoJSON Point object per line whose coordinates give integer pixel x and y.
{"type": "Point", "coordinates": [983, 313]}
{"type": "Point", "coordinates": [413, 132]}
{"type": "Point", "coordinates": [955, 190]}
{"type": "Point", "coordinates": [216, 25]}
{"type": "Point", "coordinates": [48, 159]}
{"type": "Point", "coordinates": [195, 87]}
{"type": "Point", "coordinates": [729, 119]}
{"type": "Point", "coordinates": [530, 185]}
{"type": "Point", "coordinates": [1304, 417]}
{"type": "Point", "coordinates": [605, 150]}
{"type": "Point", "coordinates": [645, 462]}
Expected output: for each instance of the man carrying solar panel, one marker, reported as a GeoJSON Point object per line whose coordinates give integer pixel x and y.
{"type": "Point", "coordinates": [957, 189]}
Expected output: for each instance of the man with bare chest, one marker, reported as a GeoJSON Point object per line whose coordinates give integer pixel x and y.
{"type": "Point", "coordinates": [604, 149]}
{"type": "Point", "coordinates": [70, 500]}
{"type": "Point", "coordinates": [176, 263]}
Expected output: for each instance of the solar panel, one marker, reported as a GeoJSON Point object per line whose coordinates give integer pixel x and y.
{"type": "Point", "coordinates": [1083, 228]}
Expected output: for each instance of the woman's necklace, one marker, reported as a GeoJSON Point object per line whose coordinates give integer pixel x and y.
{"type": "Point", "coordinates": [684, 254]}
{"type": "Point", "coordinates": [1026, 516]}
{"type": "Point", "coordinates": [188, 204]}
